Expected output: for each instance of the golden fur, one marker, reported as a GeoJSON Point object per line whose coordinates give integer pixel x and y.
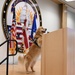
{"type": "Point", "coordinates": [34, 51]}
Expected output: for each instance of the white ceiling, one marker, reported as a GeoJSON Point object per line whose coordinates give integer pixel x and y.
{"type": "Point", "coordinates": [71, 5]}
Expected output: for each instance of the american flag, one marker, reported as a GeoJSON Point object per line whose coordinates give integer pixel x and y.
{"type": "Point", "coordinates": [19, 33]}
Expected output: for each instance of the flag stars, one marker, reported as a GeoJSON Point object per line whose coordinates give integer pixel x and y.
{"type": "Point", "coordinates": [9, 28]}
{"type": "Point", "coordinates": [6, 3]}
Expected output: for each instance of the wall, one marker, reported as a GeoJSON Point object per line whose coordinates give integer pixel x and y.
{"type": "Point", "coordinates": [50, 18]}
{"type": "Point", "coordinates": [50, 14]}
{"type": "Point", "coordinates": [2, 37]}
{"type": "Point", "coordinates": [70, 19]}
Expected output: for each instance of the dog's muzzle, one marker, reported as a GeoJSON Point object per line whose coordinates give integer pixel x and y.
{"type": "Point", "coordinates": [44, 30]}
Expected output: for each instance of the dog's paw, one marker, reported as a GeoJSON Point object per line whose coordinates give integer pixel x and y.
{"type": "Point", "coordinates": [28, 72]}
{"type": "Point", "coordinates": [33, 71]}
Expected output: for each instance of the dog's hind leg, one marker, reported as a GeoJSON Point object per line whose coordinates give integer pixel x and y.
{"type": "Point", "coordinates": [32, 65]}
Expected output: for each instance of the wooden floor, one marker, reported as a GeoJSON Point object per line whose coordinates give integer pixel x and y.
{"type": "Point", "coordinates": [20, 69]}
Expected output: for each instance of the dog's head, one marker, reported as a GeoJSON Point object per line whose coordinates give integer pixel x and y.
{"type": "Point", "coordinates": [40, 31]}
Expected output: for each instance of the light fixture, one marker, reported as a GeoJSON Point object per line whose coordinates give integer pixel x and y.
{"type": "Point", "coordinates": [69, 0]}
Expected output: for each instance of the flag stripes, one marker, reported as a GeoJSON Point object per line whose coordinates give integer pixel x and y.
{"type": "Point", "coordinates": [19, 34]}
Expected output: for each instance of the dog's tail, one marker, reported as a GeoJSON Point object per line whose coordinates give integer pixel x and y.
{"type": "Point", "coordinates": [21, 59]}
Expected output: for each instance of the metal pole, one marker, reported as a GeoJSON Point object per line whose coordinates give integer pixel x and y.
{"type": "Point", "coordinates": [7, 66]}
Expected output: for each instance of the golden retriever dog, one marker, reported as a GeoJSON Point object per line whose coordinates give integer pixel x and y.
{"type": "Point", "coordinates": [34, 51]}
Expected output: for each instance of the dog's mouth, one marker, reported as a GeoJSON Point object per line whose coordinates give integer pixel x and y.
{"type": "Point", "coordinates": [44, 31]}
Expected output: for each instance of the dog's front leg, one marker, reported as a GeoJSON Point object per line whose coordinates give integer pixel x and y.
{"type": "Point", "coordinates": [27, 67]}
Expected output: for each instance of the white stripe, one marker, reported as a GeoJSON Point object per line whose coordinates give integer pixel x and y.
{"type": "Point", "coordinates": [19, 31]}
{"type": "Point", "coordinates": [19, 26]}
{"type": "Point", "coordinates": [20, 41]}
{"type": "Point", "coordinates": [13, 23]}
{"type": "Point", "coordinates": [21, 35]}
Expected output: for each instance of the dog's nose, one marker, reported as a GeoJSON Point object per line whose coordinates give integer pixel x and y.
{"type": "Point", "coordinates": [45, 29]}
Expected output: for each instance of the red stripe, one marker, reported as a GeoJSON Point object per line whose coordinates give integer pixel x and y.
{"type": "Point", "coordinates": [19, 28]}
{"type": "Point", "coordinates": [25, 39]}
{"type": "Point", "coordinates": [19, 23]}
{"type": "Point", "coordinates": [19, 43]}
{"type": "Point", "coordinates": [13, 34]}
{"type": "Point", "coordinates": [21, 33]}
{"type": "Point", "coordinates": [30, 43]}
{"type": "Point", "coordinates": [10, 41]}
{"type": "Point", "coordinates": [19, 38]}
